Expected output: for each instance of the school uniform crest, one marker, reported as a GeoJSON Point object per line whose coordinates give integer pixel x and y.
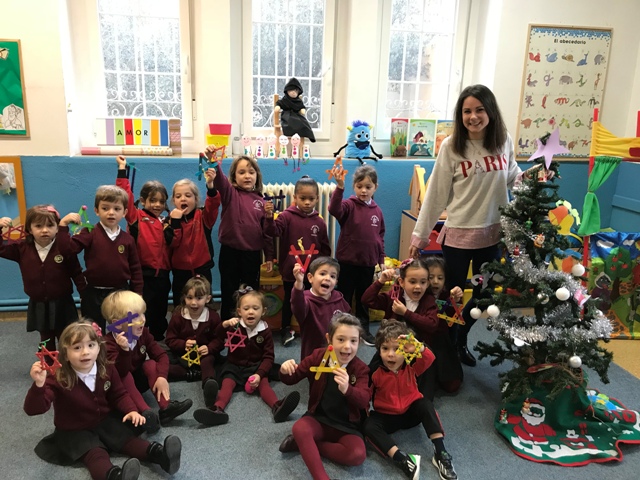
{"type": "Point", "coordinates": [107, 385]}
{"type": "Point", "coordinates": [314, 230]}
{"type": "Point", "coordinates": [259, 339]}
{"type": "Point", "coordinates": [58, 259]}
{"type": "Point", "coordinates": [258, 205]}
{"type": "Point", "coordinates": [352, 379]}
{"type": "Point", "coordinates": [375, 220]}
{"type": "Point", "coordinates": [121, 248]}
{"type": "Point", "coordinates": [143, 349]}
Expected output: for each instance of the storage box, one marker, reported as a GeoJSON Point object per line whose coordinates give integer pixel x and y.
{"type": "Point", "coordinates": [218, 134]}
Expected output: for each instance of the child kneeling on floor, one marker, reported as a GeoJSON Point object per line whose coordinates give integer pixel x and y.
{"type": "Point", "coordinates": [399, 405]}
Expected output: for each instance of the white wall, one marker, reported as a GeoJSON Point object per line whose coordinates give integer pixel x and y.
{"type": "Point", "coordinates": [498, 36]}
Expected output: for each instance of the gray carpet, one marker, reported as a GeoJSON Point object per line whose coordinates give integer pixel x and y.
{"type": "Point", "coordinates": [247, 447]}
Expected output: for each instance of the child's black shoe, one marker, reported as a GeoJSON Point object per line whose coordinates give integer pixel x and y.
{"type": "Point", "coordinates": [173, 410]}
{"type": "Point", "coordinates": [443, 462]}
{"type": "Point", "coordinates": [283, 408]}
{"type": "Point", "coordinates": [193, 375]}
{"type": "Point", "coordinates": [167, 456]}
{"type": "Point", "coordinates": [152, 423]}
{"type": "Point", "coordinates": [130, 470]}
{"type": "Point", "coordinates": [289, 445]}
{"type": "Point", "coordinates": [210, 392]}
{"type": "Point", "coordinates": [211, 416]}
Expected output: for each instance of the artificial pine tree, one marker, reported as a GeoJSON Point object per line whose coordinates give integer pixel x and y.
{"type": "Point", "coordinates": [549, 328]}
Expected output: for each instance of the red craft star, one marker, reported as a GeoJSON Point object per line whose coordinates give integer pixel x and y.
{"type": "Point", "coordinates": [236, 332]}
{"type": "Point", "coordinates": [42, 354]}
{"type": "Point", "coordinates": [19, 229]}
{"type": "Point", "coordinates": [302, 251]}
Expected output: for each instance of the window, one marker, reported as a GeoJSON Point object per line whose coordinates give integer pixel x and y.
{"type": "Point", "coordinates": [289, 38]}
{"type": "Point", "coordinates": [141, 56]}
{"type": "Point", "coordinates": [421, 60]}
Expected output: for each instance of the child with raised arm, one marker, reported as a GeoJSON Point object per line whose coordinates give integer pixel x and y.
{"type": "Point", "coordinates": [153, 235]}
{"type": "Point", "coordinates": [361, 242]}
{"type": "Point", "coordinates": [314, 308]}
{"type": "Point", "coordinates": [192, 247]}
{"type": "Point", "coordinates": [331, 426]}
{"type": "Point", "coordinates": [46, 273]}
{"type": "Point", "coordinates": [398, 405]}
{"type": "Point", "coordinates": [91, 409]}
{"type": "Point", "coordinates": [194, 324]}
{"type": "Point", "coordinates": [298, 223]}
{"type": "Point", "coordinates": [241, 234]}
{"type": "Point", "coordinates": [141, 363]}
{"type": "Point", "coordinates": [416, 305]}
{"type": "Point", "coordinates": [110, 254]}
{"type": "Point", "coordinates": [249, 361]}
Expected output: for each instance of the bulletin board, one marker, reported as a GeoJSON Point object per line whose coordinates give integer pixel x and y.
{"type": "Point", "coordinates": [12, 198]}
{"type": "Point", "coordinates": [13, 102]}
{"type": "Point", "coordinates": [564, 76]}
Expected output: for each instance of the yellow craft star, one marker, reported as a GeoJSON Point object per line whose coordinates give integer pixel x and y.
{"type": "Point", "coordinates": [188, 356]}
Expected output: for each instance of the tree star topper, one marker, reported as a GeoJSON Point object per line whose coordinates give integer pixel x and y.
{"type": "Point", "coordinates": [43, 353]}
{"type": "Point", "coordinates": [188, 357]}
{"type": "Point", "coordinates": [409, 340]}
{"type": "Point", "coordinates": [128, 320]}
{"type": "Point", "coordinates": [548, 150]}
{"type": "Point", "coordinates": [236, 332]}
{"type": "Point", "coordinates": [328, 363]}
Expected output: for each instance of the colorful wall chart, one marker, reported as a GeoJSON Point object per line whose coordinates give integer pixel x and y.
{"type": "Point", "coordinates": [564, 76]}
{"type": "Point", "coordinates": [13, 103]}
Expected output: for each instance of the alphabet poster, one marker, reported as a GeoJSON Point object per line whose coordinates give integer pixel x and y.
{"type": "Point", "coordinates": [564, 76]}
{"type": "Point", "coordinates": [13, 107]}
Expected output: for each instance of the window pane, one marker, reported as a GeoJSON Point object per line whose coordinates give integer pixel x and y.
{"type": "Point", "coordinates": [288, 40]}
{"type": "Point", "coordinates": [141, 52]}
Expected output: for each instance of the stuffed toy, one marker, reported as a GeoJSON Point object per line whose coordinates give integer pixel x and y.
{"type": "Point", "coordinates": [358, 144]}
{"type": "Point", "coordinates": [293, 112]}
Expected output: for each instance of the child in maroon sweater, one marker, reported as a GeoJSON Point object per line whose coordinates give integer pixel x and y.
{"type": "Point", "coordinates": [361, 242]}
{"type": "Point", "coordinates": [314, 308]}
{"type": "Point", "coordinates": [298, 223]}
{"type": "Point", "coordinates": [46, 273]}
{"type": "Point", "coordinates": [89, 402]}
{"type": "Point", "coordinates": [110, 254]}
{"type": "Point", "coordinates": [249, 361]}
{"type": "Point", "coordinates": [399, 405]}
{"type": "Point", "coordinates": [331, 426]}
{"type": "Point", "coordinates": [141, 363]}
{"type": "Point", "coordinates": [416, 305]}
{"type": "Point", "coordinates": [241, 233]}
{"type": "Point", "coordinates": [192, 247]}
{"type": "Point", "coordinates": [194, 324]}
{"type": "Point", "coordinates": [153, 235]}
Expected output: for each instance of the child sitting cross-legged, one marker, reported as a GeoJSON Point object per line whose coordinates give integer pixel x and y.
{"type": "Point", "coordinates": [142, 363]}
{"type": "Point", "coordinates": [399, 405]}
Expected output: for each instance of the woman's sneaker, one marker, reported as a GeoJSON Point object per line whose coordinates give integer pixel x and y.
{"type": "Point", "coordinates": [443, 462]}
{"type": "Point", "coordinates": [410, 465]}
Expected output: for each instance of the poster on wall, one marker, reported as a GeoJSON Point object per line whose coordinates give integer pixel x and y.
{"type": "Point", "coordinates": [12, 197]}
{"type": "Point", "coordinates": [13, 103]}
{"type": "Point", "coordinates": [564, 76]}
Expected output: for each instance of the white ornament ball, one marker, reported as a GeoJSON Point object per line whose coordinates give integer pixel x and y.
{"type": "Point", "coordinates": [563, 294]}
{"type": "Point", "coordinates": [475, 313]}
{"type": "Point", "coordinates": [518, 342]}
{"type": "Point", "coordinates": [575, 362]}
{"type": "Point", "coordinates": [577, 270]}
{"type": "Point", "coordinates": [493, 311]}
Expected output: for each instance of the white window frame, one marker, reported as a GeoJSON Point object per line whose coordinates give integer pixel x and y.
{"type": "Point", "coordinates": [383, 123]}
{"type": "Point", "coordinates": [89, 100]}
{"type": "Point", "coordinates": [247, 128]}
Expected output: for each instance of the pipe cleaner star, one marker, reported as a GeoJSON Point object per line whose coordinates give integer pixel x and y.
{"type": "Point", "coordinates": [188, 357]}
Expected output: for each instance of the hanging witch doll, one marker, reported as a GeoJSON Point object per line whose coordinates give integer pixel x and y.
{"type": "Point", "coordinates": [292, 112]}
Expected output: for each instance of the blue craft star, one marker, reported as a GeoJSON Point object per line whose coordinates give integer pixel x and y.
{"type": "Point", "coordinates": [551, 148]}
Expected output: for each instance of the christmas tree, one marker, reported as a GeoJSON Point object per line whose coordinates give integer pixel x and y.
{"type": "Point", "coordinates": [549, 327]}
{"type": "Point", "coordinates": [546, 322]}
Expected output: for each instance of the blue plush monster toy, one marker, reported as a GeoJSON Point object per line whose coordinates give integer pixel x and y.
{"type": "Point", "coordinates": [358, 144]}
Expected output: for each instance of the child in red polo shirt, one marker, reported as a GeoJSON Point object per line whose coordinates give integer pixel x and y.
{"type": "Point", "coordinates": [92, 412]}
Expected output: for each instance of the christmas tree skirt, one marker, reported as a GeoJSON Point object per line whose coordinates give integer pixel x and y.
{"type": "Point", "coordinates": [579, 426]}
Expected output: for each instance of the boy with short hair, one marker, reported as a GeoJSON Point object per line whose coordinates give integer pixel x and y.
{"type": "Point", "coordinates": [137, 372]}
{"type": "Point", "coordinates": [110, 253]}
{"type": "Point", "coordinates": [314, 308]}
{"type": "Point", "coordinates": [398, 404]}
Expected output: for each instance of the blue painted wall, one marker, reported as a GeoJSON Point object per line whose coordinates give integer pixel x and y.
{"type": "Point", "coordinates": [69, 182]}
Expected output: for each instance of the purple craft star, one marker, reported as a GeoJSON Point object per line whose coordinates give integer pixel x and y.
{"type": "Point", "coordinates": [547, 151]}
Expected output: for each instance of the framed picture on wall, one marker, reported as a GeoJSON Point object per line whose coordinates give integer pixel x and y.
{"type": "Point", "coordinates": [12, 198]}
{"type": "Point", "coordinates": [564, 76]}
{"type": "Point", "coordinates": [13, 101]}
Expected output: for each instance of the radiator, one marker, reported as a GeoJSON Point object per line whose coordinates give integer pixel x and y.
{"type": "Point", "coordinates": [325, 190]}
